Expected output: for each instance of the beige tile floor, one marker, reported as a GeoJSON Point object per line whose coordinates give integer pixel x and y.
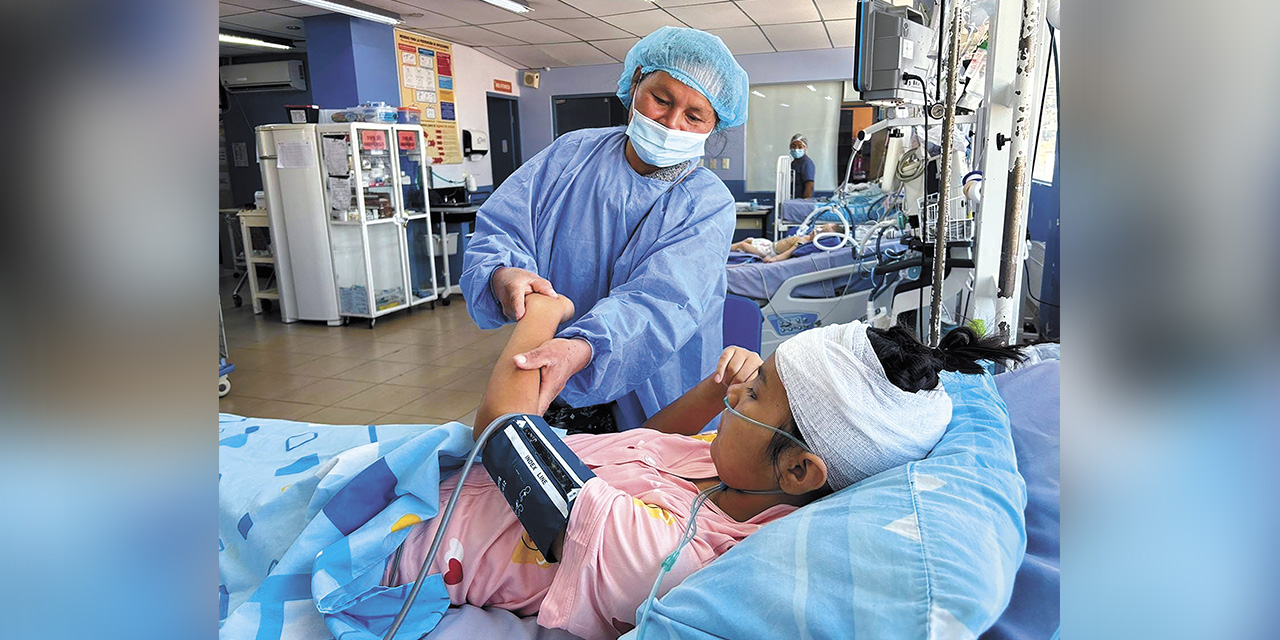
{"type": "Point", "coordinates": [425, 366]}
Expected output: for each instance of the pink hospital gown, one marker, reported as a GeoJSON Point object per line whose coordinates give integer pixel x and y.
{"type": "Point", "coordinates": [625, 522]}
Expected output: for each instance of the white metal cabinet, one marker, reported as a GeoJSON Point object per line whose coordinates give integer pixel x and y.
{"type": "Point", "coordinates": [412, 166]}
{"type": "Point", "coordinates": [367, 222]}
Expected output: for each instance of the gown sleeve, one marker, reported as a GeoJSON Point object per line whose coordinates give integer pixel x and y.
{"type": "Point", "coordinates": [504, 237]}
{"type": "Point", "coordinates": [643, 322]}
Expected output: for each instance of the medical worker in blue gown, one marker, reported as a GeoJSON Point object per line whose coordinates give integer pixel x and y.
{"type": "Point", "coordinates": [623, 222]}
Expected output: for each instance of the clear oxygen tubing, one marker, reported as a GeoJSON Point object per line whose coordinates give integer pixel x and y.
{"type": "Point", "coordinates": [691, 529]}
{"type": "Point", "coordinates": [444, 522]}
{"type": "Point", "coordinates": [846, 236]}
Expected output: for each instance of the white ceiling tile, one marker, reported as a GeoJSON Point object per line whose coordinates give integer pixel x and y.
{"type": "Point", "coordinates": [797, 37]}
{"type": "Point", "coordinates": [837, 9]}
{"type": "Point", "coordinates": [587, 28]}
{"type": "Point", "coordinates": [532, 32]}
{"type": "Point", "coordinates": [473, 36]}
{"type": "Point", "coordinates": [529, 56]}
{"type": "Point", "coordinates": [300, 11]}
{"type": "Point", "coordinates": [779, 11]}
{"type": "Point", "coordinates": [552, 10]}
{"type": "Point", "coordinates": [264, 4]}
{"type": "Point", "coordinates": [577, 54]}
{"type": "Point", "coordinates": [616, 48]}
{"type": "Point", "coordinates": [429, 20]}
{"type": "Point", "coordinates": [744, 40]}
{"type": "Point", "coordinates": [469, 11]}
{"type": "Point", "coordinates": [721, 15]}
{"type": "Point", "coordinates": [267, 23]}
{"type": "Point", "coordinates": [842, 32]}
{"type": "Point", "coordinates": [684, 3]}
{"type": "Point", "coordinates": [499, 57]}
{"type": "Point", "coordinates": [600, 8]}
{"type": "Point", "coordinates": [226, 9]}
{"type": "Point", "coordinates": [642, 23]}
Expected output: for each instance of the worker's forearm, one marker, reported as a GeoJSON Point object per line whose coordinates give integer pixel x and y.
{"type": "Point", "coordinates": [511, 389]}
{"type": "Point", "coordinates": [691, 411]}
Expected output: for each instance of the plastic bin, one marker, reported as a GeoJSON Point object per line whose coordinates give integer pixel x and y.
{"type": "Point", "coordinates": [409, 115]}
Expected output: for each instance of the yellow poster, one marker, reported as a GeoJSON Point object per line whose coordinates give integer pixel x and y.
{"type": "Point", "coordinates": [426, 82]}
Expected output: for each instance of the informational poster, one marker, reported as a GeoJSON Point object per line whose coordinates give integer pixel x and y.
{"type": "Point", "coordinates": [426, 82]}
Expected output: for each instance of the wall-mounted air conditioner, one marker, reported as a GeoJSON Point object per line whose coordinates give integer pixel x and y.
{"type": "Point", "coordinates": [284, 75]}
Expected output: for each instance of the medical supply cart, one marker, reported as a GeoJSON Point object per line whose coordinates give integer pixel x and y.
{"type": "Point", "coordinates": [377, 269]}
{"type": "Point", "coordinates": [260, 261]}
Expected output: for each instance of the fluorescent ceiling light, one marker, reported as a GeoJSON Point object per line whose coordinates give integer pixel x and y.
{"type": "Point", "coordinates": [783, 104]}
{"type": "Point", "coordinates": [250, 42]}
{"type": "Point", "coordinates": [757, 93]}
{"type": "Point", "coordinates": [510, 5]}
{"type": "Point", "coordinates": [810, 87]}
{"type": "Point", "coordinates": [356, 10]}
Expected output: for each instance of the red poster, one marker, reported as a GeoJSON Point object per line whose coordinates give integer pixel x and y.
{"type": "Point", "coordinates": [408, 140]}
{"type": "Point", "coordinates": [444, 64]}
{"type": "Point", "coordinates": [373, 140]}
{"type": "Point", "coordinates": [502, 85]}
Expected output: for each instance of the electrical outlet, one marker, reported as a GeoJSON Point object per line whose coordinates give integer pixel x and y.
{"type": "Point", "coordinates": [724, 162]}
{"type": "Point", "coordinates": [715, 164]}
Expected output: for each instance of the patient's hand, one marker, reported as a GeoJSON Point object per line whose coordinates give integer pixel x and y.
{"type": "Point", "coordinates": [773, 259]}
{"type": "Point", "coordinates": [736, 366]}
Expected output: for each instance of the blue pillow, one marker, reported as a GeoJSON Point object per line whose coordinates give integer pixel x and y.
{"type": "Point", "coordinates": [925, 550]}
{"type": "Point", "coordinates": [1033, 395]}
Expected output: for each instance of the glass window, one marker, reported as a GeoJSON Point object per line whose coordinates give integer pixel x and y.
{"type": "Point", "coordinates": [1046, 150]}
{"type": "Point", "coordinates": [779, 111]}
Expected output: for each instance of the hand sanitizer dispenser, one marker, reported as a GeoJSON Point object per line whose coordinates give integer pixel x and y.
{"type": "Point", "coordinates": [474, 143]}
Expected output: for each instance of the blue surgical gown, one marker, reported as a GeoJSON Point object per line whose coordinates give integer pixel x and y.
{"type": "Point", "coordinates": [643, 261]}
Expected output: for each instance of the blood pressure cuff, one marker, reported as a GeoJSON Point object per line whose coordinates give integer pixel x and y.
{"type": "Point", "coordinates": [538, 475]}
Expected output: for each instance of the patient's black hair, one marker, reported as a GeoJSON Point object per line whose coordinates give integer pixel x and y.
{"type": "Point", "coordinates": [912, 366]}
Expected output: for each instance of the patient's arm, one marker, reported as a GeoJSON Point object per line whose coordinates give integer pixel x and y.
{"type": "Point", "coordinates": [514, 390]}
{"type": "Point", "coordinates": [705, 400]}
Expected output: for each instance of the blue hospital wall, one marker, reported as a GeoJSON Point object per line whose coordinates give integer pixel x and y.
{"type": "Point", "coordinates": [352, 61]}
{"type": "Point", "coordinates": [762, 68]}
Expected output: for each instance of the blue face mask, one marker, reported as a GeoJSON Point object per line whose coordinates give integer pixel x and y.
{"type": "Point", "coordinates": [797, 153]}
{"type": "Point", "coordinates": [660, 146]}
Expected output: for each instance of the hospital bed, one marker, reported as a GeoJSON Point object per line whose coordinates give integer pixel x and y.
{"type": "Point", "coordinates": [989, 539]}
{"type": "Point", "coordinates": [830, 287]}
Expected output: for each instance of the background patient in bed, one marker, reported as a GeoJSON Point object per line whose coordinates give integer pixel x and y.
{"type": "Point", "coordinates": [771, 251]}
{"type": "Point", "coordinates": [631, 515]}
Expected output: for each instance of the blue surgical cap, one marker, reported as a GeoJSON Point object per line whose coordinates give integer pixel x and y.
{"type": "Point", "coordinates": [699, 60]}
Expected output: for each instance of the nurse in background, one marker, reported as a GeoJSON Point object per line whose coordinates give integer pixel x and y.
{"type": "Point", "coordinates": [802, 168]}
{"type": "Point", "coordinates": [623, 222]}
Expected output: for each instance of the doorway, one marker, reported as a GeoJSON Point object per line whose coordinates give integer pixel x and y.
{"type": "Point", "coordinates": [504, 136]}
{"type": "Point", "coordinates": [571, 113]}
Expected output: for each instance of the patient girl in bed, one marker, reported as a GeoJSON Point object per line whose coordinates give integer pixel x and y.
{"type": "Point", "coordinates": [834, 405]}
{"type": "Point", "coordinates": [771, 251]}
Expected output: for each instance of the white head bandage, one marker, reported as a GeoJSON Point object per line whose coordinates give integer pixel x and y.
{"type": "Point", "coordinates": [851, 415]}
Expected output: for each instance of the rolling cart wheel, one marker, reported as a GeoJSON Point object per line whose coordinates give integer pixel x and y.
{"type": "Point", "coordinates": [372, 321]}
{"type": "Point", "coordinates": [224, 386]}
{"type": "Point", "coordinates": [266, 305]}
{"type": "Point", "coordinates": [446, 302]}
{"type": "Point", "coordinates": [431, 305]}
{"type": "Point", "coordinates": [235, 298]}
